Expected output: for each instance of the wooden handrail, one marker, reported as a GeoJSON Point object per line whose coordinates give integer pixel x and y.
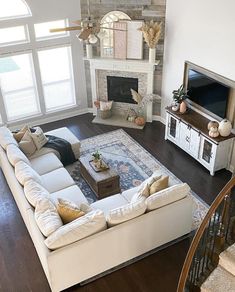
{"type": "Point", "coordinates": [200, 232]}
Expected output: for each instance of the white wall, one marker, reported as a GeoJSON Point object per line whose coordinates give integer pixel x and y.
{"type": "Point", "coordinates": [200, 31]}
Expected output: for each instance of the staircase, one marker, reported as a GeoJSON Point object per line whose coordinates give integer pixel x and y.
{"type": "Point", "coordinates": [223, 277]}
{"type": "Point", "coordinates": [210, 263]}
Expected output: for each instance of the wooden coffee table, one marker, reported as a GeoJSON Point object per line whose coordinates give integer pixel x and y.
{"type": "Point", "coordinates": [103, 183]}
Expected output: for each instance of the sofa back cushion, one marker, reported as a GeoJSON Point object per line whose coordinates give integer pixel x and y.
{"type": "Point", "coordinates": [35, 192]}
{"type": "Point", "coordinates": [126, 212]}
{"type": "Point", "coordinates": [91, 223]}
{"type": "Point", "coordinates": [47, 217]}
{"type": "Point", "coordinates": [6, 138]}
{"type": "Point", "coordinates": [167, 196]}
{"type": "Point", "coordinates": [14, 155]}
{"type": "Point", "coordinates": [24, 173]}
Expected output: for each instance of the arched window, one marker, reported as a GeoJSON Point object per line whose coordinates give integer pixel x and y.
{"type": "Point", "coordinates": [13, 9]}
{"type": "Point", "coordinates": [106, 42]}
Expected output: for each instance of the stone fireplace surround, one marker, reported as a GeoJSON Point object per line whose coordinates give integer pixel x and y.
{"type": "Point", "coordinates": [141, 69]}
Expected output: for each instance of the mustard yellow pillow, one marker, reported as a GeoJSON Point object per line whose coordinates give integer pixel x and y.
{"type": "Point", "coordinates": [68, 211]}
{"type": "Point", "coordinates": [159, 185]}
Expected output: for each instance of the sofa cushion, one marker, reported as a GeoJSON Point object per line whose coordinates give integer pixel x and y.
{"type": "Point", "coordinates": [27, 145]}
{"type": "Point", "coordinates": [128, 194]}
{"type": "Point", "coordinates": [47, 217]}
{"type": "Point", "coordinates": [57, 180]}
{"type": "Point", "coordinates": [167, 196]}
{"type": "Point", "coordinates": [35, 192]}
{"type": "Point", "coordinates": [6, 138]}
{"type": "Point", "coordinates": [68, 211]}
{"type": "Point", "coordinates": [109, 203]}
{"type": "Point", "coordinates": [39, 138]}
{"type": "Point", "coordinates": [126, 212]}
{"type": "Point", "coordinates": [43, 151]}
{"type": "Point", "coordinates": [15, 155]}
{"type": "Point", "coordinates": [91, 223]}
{"type": "Point", "coordinates": [24, 173]}
{"type": "Point", "coordinates": [158, 185]}
{"type": "Point", "coordinates": [72, 193]}
{"type": "Point", "coordinates": [46, 163]}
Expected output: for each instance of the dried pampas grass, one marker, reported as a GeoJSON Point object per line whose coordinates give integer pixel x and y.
{"type": "Point", "coordinates": [151, 31]}
{"type": "Point", "coordinates": [136, 96]}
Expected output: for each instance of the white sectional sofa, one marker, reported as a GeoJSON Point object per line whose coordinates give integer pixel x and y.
{"type": "Point", "coordinates": [108, 246]}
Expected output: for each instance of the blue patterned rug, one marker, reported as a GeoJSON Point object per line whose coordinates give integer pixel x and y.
{"type": "Point", "coordinates": [131, 161]}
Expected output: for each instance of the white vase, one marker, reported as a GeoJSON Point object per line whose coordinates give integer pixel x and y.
{"type": "Point", "coordinates": [152, 55]}
{"type": "Point", "coordinates": [225, 128]}
{"type": "Point", "coordinates": [89, 53]}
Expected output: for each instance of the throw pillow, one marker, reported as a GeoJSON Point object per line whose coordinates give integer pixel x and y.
{"type": "Point", "coordinates": [39, 138]}
{"type": "Point", "coordinates": [167, 196]}
{"type": "Point", "coordinates": [24, 173]}
{"type": "Point", "coordinates": [27, 145]}
{"type": "Point", "coordinates": [106, 105]}
{"type": "Point", "coordinates": [15, 155]}
{"type": "Point", "coordinates": [47, 217]}
{"type": "Point", "coordinates": [34, 192]}
{"type": "Point", "coordinates": [93, 222]}
{"type": "Point", "coordinates": [68, 211]}
{"type": "Point", "coordinates": [159, 185]}
{"type": "Point", "coordinates": [19, 135]}
{"type": "Point", "coordinates": [6, 138]}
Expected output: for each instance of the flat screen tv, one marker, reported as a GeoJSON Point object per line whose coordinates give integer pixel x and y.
{"type": "Point", "coordinates": [208, 93]}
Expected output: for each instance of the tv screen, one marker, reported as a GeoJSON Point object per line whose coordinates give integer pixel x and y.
{"type": "Point", "coordinates": [208, 93]}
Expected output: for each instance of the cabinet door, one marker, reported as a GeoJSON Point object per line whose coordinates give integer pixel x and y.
{"type": "Point", "coordinates": [194, 143]}
{"type": "Point", "coordinates": [184, 141]}
{"type": "Point", "coordinates": [207, 153]}
{"type": "Point", "coordinates": [173, 129]}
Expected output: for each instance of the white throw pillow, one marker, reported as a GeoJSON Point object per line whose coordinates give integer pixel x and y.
{"type": "Point", "coordinates": [35, 192]}
{"type": "Point", "coordinates": [27, 145]}
{"type": "Point", "coordinates": [15, 155]}
{"type": "Point", "coordinates": [39, 138]}
{"type": "Point", "coordinates": [126, 212]}
{"type": "Point", "coordinates": [91, 223]}
{"type": "Point", "coordinates": [6, 138]}
{"type": "Point", "coordinates": [24, 173]}
{"type": "Point", "coordinates": [47, 217]}
{"type": "Point", "coordinates": [167, 196]}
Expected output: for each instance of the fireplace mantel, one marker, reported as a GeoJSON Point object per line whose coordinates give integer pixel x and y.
{"type": "Point", "coordinates": [135, 66]}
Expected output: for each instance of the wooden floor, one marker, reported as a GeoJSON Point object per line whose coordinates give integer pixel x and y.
{"type": "Point", "coordinates": [20, 269]}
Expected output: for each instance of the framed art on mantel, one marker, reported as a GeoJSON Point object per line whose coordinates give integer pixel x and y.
{"type": "Point", "coordinates": [120, 40]}
{"type": "Point", "coordinates": [134, 40]}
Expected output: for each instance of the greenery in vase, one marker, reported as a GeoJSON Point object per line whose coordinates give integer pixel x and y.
{"type": "Point", "coordinates": [96, 155]}
{"type": "Point", "coordinates": [180, 94]}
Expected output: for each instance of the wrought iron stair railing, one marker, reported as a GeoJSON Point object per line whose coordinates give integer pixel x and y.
{"type": "Point", "coordinates": [215, 234]}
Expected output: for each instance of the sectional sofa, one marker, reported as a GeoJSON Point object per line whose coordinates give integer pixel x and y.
{"type": "Point", "coordinates": [114, 230]}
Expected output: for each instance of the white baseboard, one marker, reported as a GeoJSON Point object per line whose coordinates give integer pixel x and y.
{"type": "Point", "coordinates": [90, 110]}
{"type": "Point", "coordinates": [159, 119]}
{"type": "Point", "coordinates": [231, 168]}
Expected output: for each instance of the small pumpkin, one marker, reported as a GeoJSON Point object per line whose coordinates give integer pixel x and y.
{"type": "Point", "coordinates": [213, 132]}
{"type": "Point", "coordinates": [212, 124]}
{"type": "Point", "coordinates": [140, 121]}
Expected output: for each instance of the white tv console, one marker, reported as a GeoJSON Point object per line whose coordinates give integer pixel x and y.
{"type": "Point", "coordinates": [189, 132]}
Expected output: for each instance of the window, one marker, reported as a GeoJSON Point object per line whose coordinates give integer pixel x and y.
{"type": "Point", "coordinates": [106, 42]}
{"type": "Point", "coordinates": [57, 77]}
{"type": "Point", "coordinates": [42, 30]}
{"type": "Point", "coordinates": [13, 35]}
{"type": "Point", "coordinates": [13, 9]}
{"type": "Point", "coordinates": [18, 86]}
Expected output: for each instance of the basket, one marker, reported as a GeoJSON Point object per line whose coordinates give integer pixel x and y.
{"type": "Point", "coordinates": [104, 114]}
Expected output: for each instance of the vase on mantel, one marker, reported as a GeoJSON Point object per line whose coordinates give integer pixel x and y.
{"type": "Point", "coordinates": [89, 53]}
{"type": "Point", "coordinates": [152, 55]}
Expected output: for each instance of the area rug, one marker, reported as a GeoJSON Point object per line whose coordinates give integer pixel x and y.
{"type": "Point", "coordinates": [132, 162]}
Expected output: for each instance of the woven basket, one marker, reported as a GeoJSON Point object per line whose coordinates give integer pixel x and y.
{"type": "Point", "coordinates": [104, 114]}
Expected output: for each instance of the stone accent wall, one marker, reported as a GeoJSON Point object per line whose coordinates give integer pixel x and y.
{"type": "Point", "coordinates": [136, 9]}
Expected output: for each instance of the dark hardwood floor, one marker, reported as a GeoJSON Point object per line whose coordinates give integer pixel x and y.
{"type": "Point", "coordinates": [20, 269]}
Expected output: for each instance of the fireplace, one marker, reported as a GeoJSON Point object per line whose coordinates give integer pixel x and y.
{"type": "Point", "coordinates": [119, 88]}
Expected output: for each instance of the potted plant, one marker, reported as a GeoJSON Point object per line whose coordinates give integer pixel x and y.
{"type": "Point", "coordinates": [179, 96]}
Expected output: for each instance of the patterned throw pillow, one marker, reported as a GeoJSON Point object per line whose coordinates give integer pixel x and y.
{"type": "Point", "coordinates": [68, 211]}
{"type": "Point", "coordinates": [39, 138]}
